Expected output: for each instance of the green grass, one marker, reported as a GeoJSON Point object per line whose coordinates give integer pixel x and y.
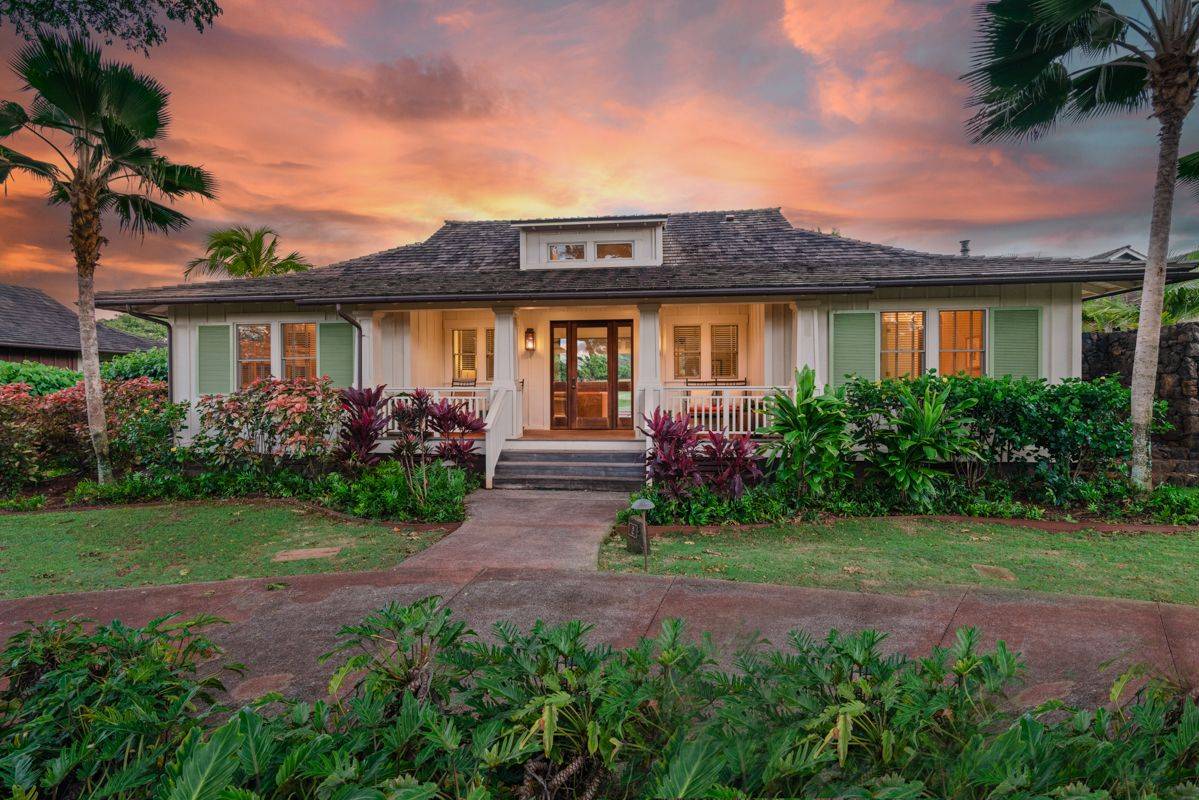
{"type": "Point", "coordinates": [75, 551]}
{"type": "Point", "coordinates": [900, 556]}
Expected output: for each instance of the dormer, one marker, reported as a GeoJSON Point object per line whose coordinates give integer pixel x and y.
{"type": "Point", "coordinates": [599, 242]}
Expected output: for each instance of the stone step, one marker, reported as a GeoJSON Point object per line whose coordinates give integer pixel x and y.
{"type": "Point", "coordinates": [562, 483]}
{"type": "Point", "coordinates": [575, 456]}
{"type": "Point", "coordinates": [570, 470]}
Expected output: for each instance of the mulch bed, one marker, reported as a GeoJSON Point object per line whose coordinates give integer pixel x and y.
{"type": "Point", "coordinates": [1052, 525]}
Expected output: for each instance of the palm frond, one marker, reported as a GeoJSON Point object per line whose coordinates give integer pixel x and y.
{"type": "Point", "coordinates": [66, 72]}
{"type": "Point", "coordinates": [1027, 112]}
{"type": "Point", "coordinates": [1188, 171]}
{"type": "Point", "coordinates": [177, 180]}
{"type": "Point", "coordinates": [12, 117]}
{"type": "Point", "coordinates": [244, 252]}
{"type": "Point", "coordinates": [139, 214]}
{"type": "Point", "coordinates": [1118, 86]}
{"type": "Point", "coordinates": [136, 101]}
{"type": "Point", "coordinates": [11, 161]}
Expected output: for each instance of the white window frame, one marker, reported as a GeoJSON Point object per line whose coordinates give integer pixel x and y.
{"type": "Point", "coordinates": [986, 360]}
{"type": "Point", "coordinates": [549, 249]}
{"type": "Point", "coordinates": [632, 256]}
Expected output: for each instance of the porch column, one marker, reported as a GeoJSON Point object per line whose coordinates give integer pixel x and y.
{"type": "Point", "coordinates": [505, 348]}
{"type": "Point", "coordinates": [649, 357]}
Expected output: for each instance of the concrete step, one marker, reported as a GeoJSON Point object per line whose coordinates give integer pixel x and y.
{"type": "Point", "coordinates": [575, 456]}
{"type": "Point", "coordinates": [575, 484]}
{"type": "Point", "coordinates": [571, 470]}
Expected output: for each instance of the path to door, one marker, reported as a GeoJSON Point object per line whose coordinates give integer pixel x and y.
{"type": "Point", "coordinates": [491, 569]}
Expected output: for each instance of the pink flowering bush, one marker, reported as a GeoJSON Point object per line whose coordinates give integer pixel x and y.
{"type": "Point", "coordinates": [18, 436]}
{"type": "Point", "coordinates": [269, 421]}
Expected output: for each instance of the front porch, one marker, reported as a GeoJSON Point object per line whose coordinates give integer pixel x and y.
{"type": "Point", "coordinates": [581, 377]}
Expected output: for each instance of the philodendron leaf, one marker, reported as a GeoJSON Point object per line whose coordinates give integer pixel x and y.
{"type": "Point", "coordinates": [210, 766]}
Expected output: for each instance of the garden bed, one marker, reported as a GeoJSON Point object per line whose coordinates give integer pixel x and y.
{"type": "Point", "coordinates": [1060, 525]}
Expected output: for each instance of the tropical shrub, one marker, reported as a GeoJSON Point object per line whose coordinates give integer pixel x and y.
{"type": "Point", "coordinates": [19, 437]}
{"type": "Point", "coordinates": [422, 707]}
{"type": "Point", "coordinates": [141, 424]}
{"type": "Point", "coordinates": [913, 445]}
{"type": "Point", "coordinates": [40, 378]}
{"type": "Point", "coordinates": [150, 364]}
{"type": "Point", "coordinates": [810, 444]}
{"type": "Point", "coordinates": [32, 502]}
{"type": "Point", "coordinates": [270, 421]}
{"type": "Point", "coordinates": [363, 423]}
{"type": "Point", "coordinates": [99, 713]}
{"type": "Point", "coordinates": [391, 490]}
{"type": "Point", "coordinates": [768, 501]}
{"type": "Point", "coordinates": [730, 463]}
{"type": "Point", "coordinates": [672, 461]}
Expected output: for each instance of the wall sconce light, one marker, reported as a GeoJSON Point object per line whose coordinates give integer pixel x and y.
{"type": "Point", "coordinates": [530, 340]}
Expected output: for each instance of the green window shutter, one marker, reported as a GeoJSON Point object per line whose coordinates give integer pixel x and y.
{"type": "Point", "coordinates": [855, 342]}
{"type": "Point", "coordinates": [1016, 342]}
{"type": "Point", "coordinates": [335, 352]}
{"type": "Point", "coordinates": [214, 359]}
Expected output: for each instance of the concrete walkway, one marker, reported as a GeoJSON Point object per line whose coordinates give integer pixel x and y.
{"type": "Point", "coordinates": [526, 529]}
{"type": "Point", "coordinates": [525, 556]}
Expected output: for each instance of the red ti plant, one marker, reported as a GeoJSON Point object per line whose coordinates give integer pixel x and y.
{"type": "Point", "coordinates": [453, 423]}
{"type": "Point", "coordinates": [672, 463]}
{"type": "Point", "coordinates": [731, 463]}
{"type": "Point", "coordinates": [363, 423]}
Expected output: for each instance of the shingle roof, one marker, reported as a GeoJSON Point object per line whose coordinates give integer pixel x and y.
{"type": "Point", "coordinates": [29, 318]}
{"type": "Point", "coordinates": [707, 253]}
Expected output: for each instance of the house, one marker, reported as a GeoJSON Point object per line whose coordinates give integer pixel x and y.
{"type": "Point", "coordinates": [1124, 253]}
{"type": "Point", "coordinates": [36, 327]}
{"type": "Point", "coordinates": [563, 332]}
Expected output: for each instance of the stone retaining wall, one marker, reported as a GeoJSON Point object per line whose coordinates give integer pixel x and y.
{"type": "Point", "coordinates": [1176, 453]}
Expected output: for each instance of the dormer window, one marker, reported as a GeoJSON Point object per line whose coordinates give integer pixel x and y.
{"type": "Point", "coordinates": [578, 243]}
{"type": "Point", "coordinates": [605, 250]}
{"type": "Point", "coordinates": [568, 251]}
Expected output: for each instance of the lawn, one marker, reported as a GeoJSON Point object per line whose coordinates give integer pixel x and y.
{"type": "Point", "coordinates": [73, 551]}
{"type": "Point", "coordinates": [899, 556]}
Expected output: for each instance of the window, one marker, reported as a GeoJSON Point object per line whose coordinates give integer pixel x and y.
{"type": "Point", "coordinates": [901, 343]}
{"type": "Point", "coordinates": [613, 250]}
{"type": "Point", "coordinates": [724, 351]}
{"type": "Point", "coordinates": [253, 354]}
{"type": "Point", "coordinates": [686, 351]}
{"type": "Point", "coordinates": [568, 252]}
{"type": "Point", "coordinates": [299, 350]}
{"type": "Point", "coordinates": [489, 336]}
{"type": "Point", "coordinates": [962, 342]}
{"type": "Point", "coordinates": [465, 358]}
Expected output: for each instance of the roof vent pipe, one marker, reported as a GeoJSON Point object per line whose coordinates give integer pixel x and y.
{"type": "Point", "coordinates": [965, 243]}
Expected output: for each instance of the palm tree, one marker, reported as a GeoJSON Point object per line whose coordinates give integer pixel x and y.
{"type": "Point", "coordinates": [240, 252]}
{"type": "Point", "coordinates": [1039, 62]}
{"type": "Point", "coordinates": [98, 121]}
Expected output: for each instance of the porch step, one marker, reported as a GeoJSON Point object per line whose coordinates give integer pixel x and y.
{"type": "Point", "coordinates": [596, 470]}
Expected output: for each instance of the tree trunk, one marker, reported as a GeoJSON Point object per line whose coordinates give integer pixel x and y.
{"type": "Point", "coordinates": [1144, 366]}
{"type": "Point", "coordinates": [86, 240]}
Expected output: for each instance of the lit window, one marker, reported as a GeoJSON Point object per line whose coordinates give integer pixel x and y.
{"type": "Point", "coordinates": [724, 351]}
{"type": "Point", "coordinates": [902, 345]}
{"type": "Point", "coordinates": [686, 351]}
{"type": "Point", "coordinates": [253, 354]}
{"type": "Point", "coordinates": [568, 252]}
{"type": "Point", "coordinates": [299, 350]}
{"type": "Point", "coordinates": [490, 343]}
{"type": "Point", "coordinates": [962, 342]}
{"type": "Point", "coordinates": [613, 250]}
{"type": "Point", "coordinates": [465, 354]}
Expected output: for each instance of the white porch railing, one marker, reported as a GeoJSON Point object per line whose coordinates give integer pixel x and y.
{"type": "Point", "coordinates": [477, 400]}
{"type": "Point", "coordinates": [499, 428]}
{"type": "Point", "coordinates": [731, 409]}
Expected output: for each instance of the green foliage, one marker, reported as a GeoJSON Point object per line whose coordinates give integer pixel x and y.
{"type": "Point", "coordinates": [431, 493]}
{"type": "Point", "coordinates": [31, 502]}
{"type": "Point", "coordinates": [770, 501]}
{"type": "Point", "coordinates": [150, 364]}
{"type": "Point", "coordinates": [19, 437]}
{"type": "Point", "coordinates": [422, 707]}
{"type": "Point", "coordinates": [127, 323]}
{"type": "Point", "coordinates": [138, 25]}
{"type": "Point", "coordinates": [809, 437]}
{"type": "Point", "coordinates": [42, 379]}
{"type": "Point", "coordinates": [1109, 314]}
{"type": "Point", "coordinates": [1169, 505]}
{"type": "Point", "coordinates": [97, 714]}
{"type": "Point", "coordinates": [926, 432]}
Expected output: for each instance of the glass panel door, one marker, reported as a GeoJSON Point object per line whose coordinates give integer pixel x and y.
{"type": "Point", "coordinates": [624, 375]}
{"type": "Point", "coordinates": [592, 390]}
{"type": "Point", "coordinates": [559, 376]}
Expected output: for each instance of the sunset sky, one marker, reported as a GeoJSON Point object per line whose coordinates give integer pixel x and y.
{"type": "Point", "coordinates": [354, 126]}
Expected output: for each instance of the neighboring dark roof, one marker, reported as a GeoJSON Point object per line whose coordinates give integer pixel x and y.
{"type": "Point", "coordinates": [30, 318]}
{"type": "Point", "coordinates": [1124, 252]}
{"type": "Point", "coordinates": [756, 252]}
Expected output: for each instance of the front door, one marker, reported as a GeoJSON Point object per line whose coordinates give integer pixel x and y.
{"type": "Point", "coordinates": [591, 375]}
